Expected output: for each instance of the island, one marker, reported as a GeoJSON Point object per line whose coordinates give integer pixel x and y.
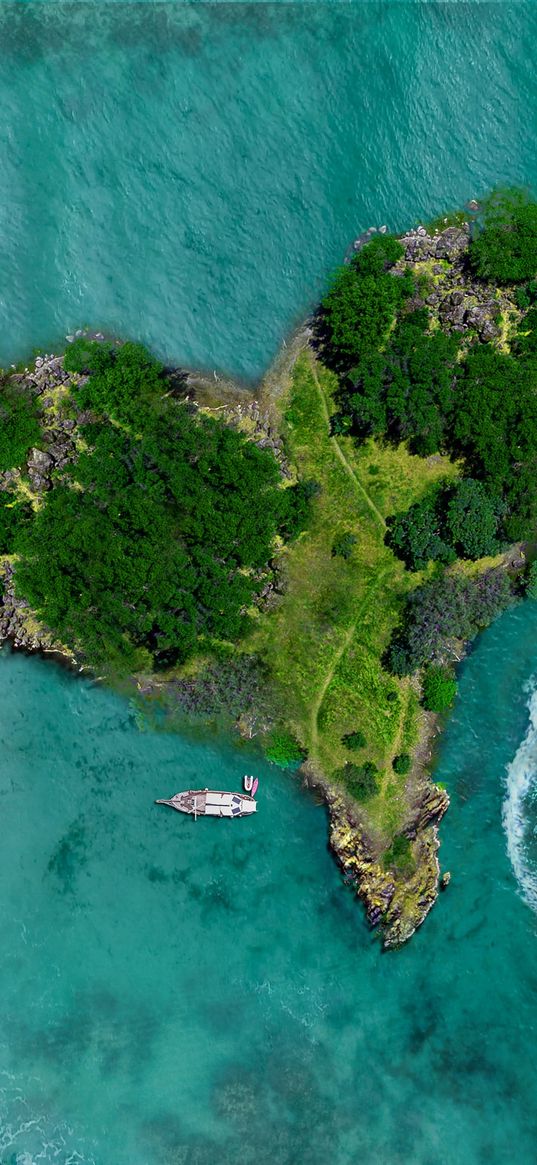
{"type": "Point", "coordinates": [306, 562]}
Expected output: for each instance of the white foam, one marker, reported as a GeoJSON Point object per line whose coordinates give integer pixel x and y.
{"type": "Point", "coordinates": [521, 776]}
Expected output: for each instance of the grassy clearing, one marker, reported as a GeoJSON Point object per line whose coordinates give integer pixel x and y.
{"type": "Point", "coordinates": [325, 642]}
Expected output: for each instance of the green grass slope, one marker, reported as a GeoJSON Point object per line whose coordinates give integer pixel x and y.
{"type": "Point", "coordinates": [324, 644]}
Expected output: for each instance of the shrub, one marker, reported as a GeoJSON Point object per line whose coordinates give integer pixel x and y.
{"type": "Point", "coordinates": [361, 780]}
{"type": "Point", "coordinates": [402, 764]}
{"type": "Point", "coordinates": [343, 545]}
{"type": "Point", "coordinates": [230, 683]}
{"type": "Point", "coordinates": [284, 750]}
{"type": "Point", "coordinates": [354, 740]}
{"type": "Point", "coordinates": [439, 689]}
{"type": "Point", "coordinates": [19, 428]}
{"type": "Point", "coordinates": [505, 248]}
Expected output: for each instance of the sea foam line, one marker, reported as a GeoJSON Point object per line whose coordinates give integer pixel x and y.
{"type": "Point", "coordinates": [521, 775]}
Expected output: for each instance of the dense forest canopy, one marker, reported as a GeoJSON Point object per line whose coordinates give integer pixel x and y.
{"type": "Point", "coordinates": [154, 542]}
{"type": "Point", "coordinates": [19, 427]}
{"type": "Point", "coordinates": [405, 378]}
{"type": "Point", "coordinates": [472, 400]}
{"type": "Point", "coordinates": [504, 249]}
{"type": "Point", "coordinates": [360, 307]}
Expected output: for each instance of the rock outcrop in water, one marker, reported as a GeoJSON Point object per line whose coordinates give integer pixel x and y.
{"type": "Point", "coordinates": [461, 303]}
{"type": "Point", "coordinates": [397, 904]}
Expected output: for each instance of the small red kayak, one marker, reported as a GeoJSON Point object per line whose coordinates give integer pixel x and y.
{"type": "Point", "coordinates": [254, 787]}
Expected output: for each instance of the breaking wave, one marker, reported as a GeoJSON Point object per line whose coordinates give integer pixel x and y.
{"type": "Point", "coordinates": [519, 819]}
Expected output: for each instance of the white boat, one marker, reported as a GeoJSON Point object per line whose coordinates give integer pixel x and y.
{"type": "Point", "coordinates": [212, 803]}
{"type": "Point", "coordinates": [248, 782]}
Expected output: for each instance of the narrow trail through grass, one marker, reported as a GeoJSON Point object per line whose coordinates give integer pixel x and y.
{"type": "Point", "coordinates": [339, 451]}
{"type": "Point", "coordinates": [316, 708]}
{"type": "Point", "coordinates": [324, 641]}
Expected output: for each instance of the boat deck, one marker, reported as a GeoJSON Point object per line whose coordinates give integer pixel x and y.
{"type": "Point", "coordinates": [212, 803]}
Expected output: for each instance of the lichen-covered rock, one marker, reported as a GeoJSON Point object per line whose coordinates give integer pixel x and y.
{"type": "Point", "coordinates": [39, 461]}
{"type": "Point", "coordinates": [397, 901]}
{"type": "Point", "coordinates": [450, 244]}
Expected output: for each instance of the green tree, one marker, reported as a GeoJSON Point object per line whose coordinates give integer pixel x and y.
{"type": "Point", "coordinates": [354, 740]}
{"type": "Point", "coordinates": [155, 542]}
{"type": "Point", "coordinates": [525, 344]}
{"type": "Point", "coordinates": [19, 427]}
{"type": "Point", "coordinates": [471, 519]}
{"type": "Point", "coordinates": [417, 536]}
{"type": "Point", "coordinates": [406, 391]}
{"type": "Point", "coordinates": [361, 781]}
{"type": "Point", "coordinates": [402, 764]}
{"type": "Point", "coordinates": [495, 430]}
{"type": "Point", "coordinates": [14, 515]}
{"type": "Point", "coordinates": [124, 380]}
{"type": "Point", "coordinates": [85, 356]}
{"type": "Point", "coordinates": [504, 249]}
{"type": "Point", "coordinates": [439, 688]}
{"type": "Point", "coordinates": [361, 303]}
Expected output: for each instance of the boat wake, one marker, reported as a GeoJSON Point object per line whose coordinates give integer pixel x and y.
{"type": "Point", "coordinates": [519, 814]}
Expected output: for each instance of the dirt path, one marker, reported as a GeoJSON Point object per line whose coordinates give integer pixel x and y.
{"type": "Point", "coordinates": [339, 451]}
{"type": "Point", "coordinates": [314, 721]}
{"type": "Point", "coordinates": [345, 644]}
{"type": "Point", "coordinates": [396, 746]}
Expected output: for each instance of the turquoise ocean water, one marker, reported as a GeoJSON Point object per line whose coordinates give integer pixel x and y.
{"type": "Point", "coordinates": [202, 993]}
{"type": "Point", "coordinates": [188, 174]}
{"type": "Point", "coordinates": [175, 993]}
